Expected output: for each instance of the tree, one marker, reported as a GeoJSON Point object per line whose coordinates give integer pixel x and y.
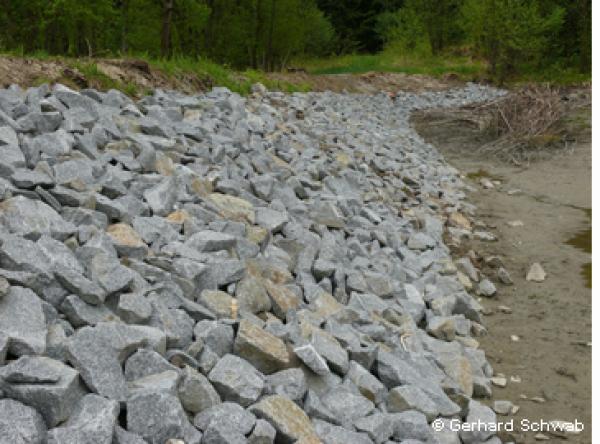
{"type": "Point", "coordinates": [165, 35]}
{"type": "Point", "coordinates": [510, 32]}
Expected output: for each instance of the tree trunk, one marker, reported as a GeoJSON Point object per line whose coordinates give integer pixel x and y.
{"type": "Point", "coordinates": [165, 41]}
{"type": "Point", "coordinates": [269, 61]}
{"type": "Point", "coordinates": [125, 26]}
{"type": "Point", "coordinates": [257, 33]}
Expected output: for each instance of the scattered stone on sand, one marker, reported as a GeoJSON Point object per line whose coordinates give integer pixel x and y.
{"type": "Point", "coordinates": [536, 273]}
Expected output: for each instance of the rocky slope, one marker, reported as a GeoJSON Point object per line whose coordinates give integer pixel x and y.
{"type": "Point", "coordinates": [213, 269]}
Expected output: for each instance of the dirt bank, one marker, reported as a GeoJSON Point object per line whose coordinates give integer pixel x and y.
{"type": "Point", "coordinates": [138, 76]}
{"type": "Point", "coordinates": [550, 319]}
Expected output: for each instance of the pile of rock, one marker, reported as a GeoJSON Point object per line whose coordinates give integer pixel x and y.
{"type": "Point", "coordinates": [214, 269]}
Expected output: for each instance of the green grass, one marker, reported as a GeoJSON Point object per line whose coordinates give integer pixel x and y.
{"type": "Point", "coordinates": [219, 75]}
{"type": "Point", "coordinates": [555, 75]}
{"type": "Point", "coordinates": [464, 67]}
{"type": "Point", "coordinates": [206, 72]}
{"type": "Point", "coordinates": [98, 79]}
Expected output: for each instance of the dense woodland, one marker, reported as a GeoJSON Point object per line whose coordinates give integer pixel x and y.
{"type": "Point", "coordinates": [271, 34]}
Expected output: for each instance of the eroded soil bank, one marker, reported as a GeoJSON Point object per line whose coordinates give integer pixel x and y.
{"type": "Point", "coordinates": [551, 319]}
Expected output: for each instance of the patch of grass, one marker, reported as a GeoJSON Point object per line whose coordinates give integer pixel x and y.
{"type": "Point", "coordinates": [97, 78]}
{"type": "Point", "coordinates": [465, 67]}
{"type": "Point", "coordinates": [94, 76]}
{"type": "Point", "coordinates": [387, 61]}
{"type": "Point", "coordinates": [557, 74]}
{"type": "Point", "coordinates": [221, 75]}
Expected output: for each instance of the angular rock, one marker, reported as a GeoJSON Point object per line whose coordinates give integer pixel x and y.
{"type": "Point", "coordinates": [536, 273]}
{"type": "Point", "coordinates": [252, 295]}
{"type": "Point", "coordinates": [290, 422]}
{"type": "Point", "coordinates": [207, 241]}
{"type": "Point", "coordinates": [478, 413]}
{"type": "Point", "coordinates": [216, 336]}
{"type": "Point", "coordinates": [146, 362]}
{"type": "Point", "coordinates": [263, 350]}
{"type": "Point", "coordinates": [289, 383]}
{"type": "Point", "coordinates": [23, 322]}
{"type": "Point", "coordinates": [347, 405]}
{"type": "Point", "coordinates": [196, 393]}
{"type": "Point", "coordinates": [49, 386]}
{"type": "Point", "coordinates": [236, 380]}
{"type": "Point", "coordinates": [92, 422]}
{"type": "Point", "coordinates": [77, 283]}
{"type": "Point", "coordinates": [218, 302]}
{"type": "Point", "coordinates": [410, 425]}
{"type": "Point", "coordinates": [32, 219]}
{"type": "Point", "coordinates": [311, 358]}
{"type": "Point", "coordinates": [378, 427]}
{"type": "Point", "coordinates": [368, 385]}
{"type": "Point", "coordinates": [99, 352]}
{"type": "Point", "coordinates": [162, 197]}
{"type": "Point", "coordinates": [226, 413]}
{"type": "Point", "coordinates": [332, 434]}
{"type": "Point", "coordinates": [127, 242]}
{"type": "Point", "coordinates": [263, 433]}
{"type": "Point", "coordinates": [20, 424]}
{"type": "Point", "coordinates": [158, 417]}
{"type": "Point", "coordinates": [134, 308]}
{"type": "Point", "coordinates": [409, 397]}
{"type": "Point", "coordinates": [80, 313]}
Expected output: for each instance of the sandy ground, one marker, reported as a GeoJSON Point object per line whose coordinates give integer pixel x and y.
{"type": "Point", "coordinates": [552, 319]}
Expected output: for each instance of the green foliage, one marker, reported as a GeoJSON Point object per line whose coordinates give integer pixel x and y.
{"type": "Point", "coordinates": [355, 22]}
{"type": "Point", "coordinates": [515, 37]}
{"type": "Point", "coordinates": [510, 33]}
{"type": "Point", "coordinates": [250, 33]}
{"type": "Point", "coordinates": [403, 31]}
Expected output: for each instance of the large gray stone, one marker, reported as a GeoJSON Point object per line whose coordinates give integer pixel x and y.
{"type": "Point", "coordinates": [333, 434]}
{"type": "Point", "coordinates": [196, 392]}
{"type": "Point", "coordinates": [237, 380]}
{"type": "Point", "coordinates": [145, 362]}
{"type": "Point", "coordinates": [345, 404]}
{"type": "Point", "coordinates": [226, 413]}
{"type": "Point", "coordinates": [252, 295]}
{"type": "Point", "coordinates": [33, 218]}
{"type": "Point", "coordinates": [20, 424]}
{"type": "Point", "coordinates": [290, 383]}
{"type": "Point", "coordinates": [410, 425]}
{"type": "Point", "coordinates": [410, 397]}
{"type": "Point", "coordinates": [99, 352]}
{"type": "Point", "coordinates": [312, 359]}
{"type": "Point", "coordinates": [22, 320]}
{"type": "Point", "coordinates": [92, 422]}
{"type": "Point", "coordinates": [158, 416]}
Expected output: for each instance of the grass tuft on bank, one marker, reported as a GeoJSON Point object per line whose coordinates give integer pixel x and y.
{"type": "Point", "coordinates": [464, 67]}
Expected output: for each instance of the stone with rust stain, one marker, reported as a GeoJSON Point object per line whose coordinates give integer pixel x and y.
{"type": "Point", "coordinates": [263, 350]}
{"type": "Point", "coordinates": [233, 207]}
{"type": "Point", "coordinates": [283, 298]}
{"type": "Point", "coordinates": [289, 420]}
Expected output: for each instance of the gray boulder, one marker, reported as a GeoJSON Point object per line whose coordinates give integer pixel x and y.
{"type": "Point", "coordinates": [237, 380]}
{"type": "Point", "coordinates": [92, 422]}
{"type": "Point", "coordinates": [48, 385]}
{"type": "Point", "coordinates": [20, 424]}
{"type": "Point", "coordinates": [22, 320]}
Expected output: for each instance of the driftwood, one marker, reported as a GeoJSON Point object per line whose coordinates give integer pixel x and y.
{"type": "Point", "coordinates": [523, 122]}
